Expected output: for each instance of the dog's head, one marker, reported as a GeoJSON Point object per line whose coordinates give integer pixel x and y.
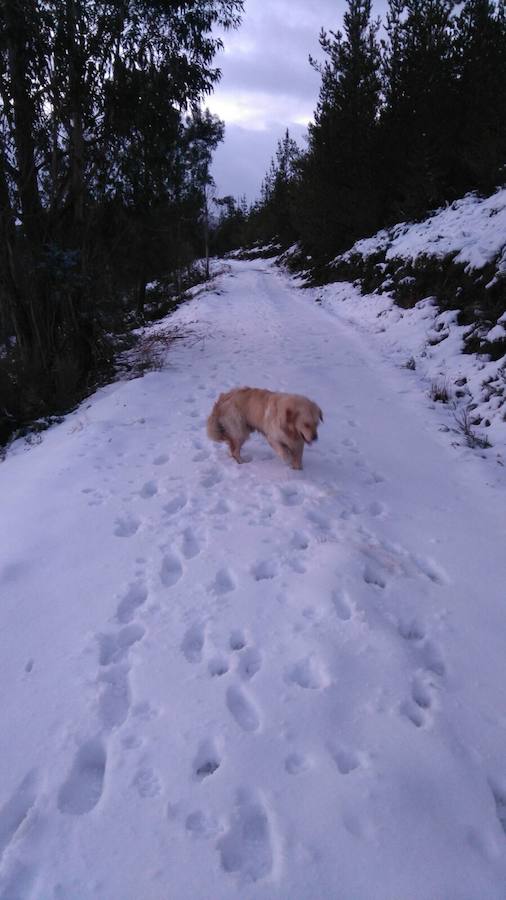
{"type": "Point", "coordinates": [302, 420]}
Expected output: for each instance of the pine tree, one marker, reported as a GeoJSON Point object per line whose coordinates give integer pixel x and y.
{"type": "Point", "coordinates": [480, 63]}
{"type": "Point", "coordinates": [417, 121]}
{"type": "Point", "coordinates": [337, 197]}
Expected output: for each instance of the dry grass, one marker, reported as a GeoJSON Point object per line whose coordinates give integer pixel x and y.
{"type": "Point", "coordinates": [439, 391]}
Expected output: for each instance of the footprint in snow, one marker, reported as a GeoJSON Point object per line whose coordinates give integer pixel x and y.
{"type": "Point", "coordinates": [17, 809]}
{"type": "Point", "coordinates": [114, 702]}
{"type": "Point", "coordinates": [201, 824]}
{"type": "Point", "coordinates": [171, 570]}
{"type": "Point", "coordinates": [193, 643]}
{"type": "Point", "coordinates": [242, 709]}
{"type": "Point", "coordinates": [146, 782]}
{"type": "Point", "coordinates": [237, 640]}
{"type": "Point", "coordinates": [135, 596]}
{"type": "Point", "coordinates": [247, 848]}
{"type": "Point", "coordinates": [342, 604]}
{"type": "Point", "coordinates": [299, 541]}
{"type": "Point", "coordinates": [499, 795]}
{"type": "Point", "coordinates": [411, 630]}
{"type": "Point", "coordinates": [296, 763]}
{"type": "Point", "coordinates": [126, 526]}
{"type": "Point", "coordinates": [264, 570]}
{"type": "Point", "coordinates": [114, 647]}
{"type": "Point", "coordinates": [84, 786]}
{"type": "Point", "coordinates": [218, 666]}
{"type": "Point", "coordinates": [250, 662]}
{"type": "Point", "coordinates": [211, 478]}
{"type": "Point", "coordinates": [291, 495]}
{"type": "Point", "coordinates": [207, 760]}
{"type": "Point", "coordinates": [223, 582]}
{"type": "Point", "coordinates": [346, 760]}
{"type": "Point", "coordinates": [308, 673]}
{"type": "Point", "coordinates": [175, 504]}
{"type": "Point", "coordinates": [160, 460]}
{"type": "Point", "coordinates": [148, 490]}
{"type": "Point", "coordinates": [190, 546]}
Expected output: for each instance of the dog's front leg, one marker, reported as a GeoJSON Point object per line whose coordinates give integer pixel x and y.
{"type": "Point", "coordinates": [235, 450]}
{"type": "Point", "coordinates": [284, 452]}
{"type": "Point", "coordinates": [296, 453]}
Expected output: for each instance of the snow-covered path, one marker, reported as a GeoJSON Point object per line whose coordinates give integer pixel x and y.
{"type": "Point", "coordinates": [224, 681]}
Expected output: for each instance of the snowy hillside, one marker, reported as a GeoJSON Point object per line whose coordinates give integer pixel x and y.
{"type": "Point", "coordinates": [224, 681]}
{"type": "Point", "coordinates": [432, 296]}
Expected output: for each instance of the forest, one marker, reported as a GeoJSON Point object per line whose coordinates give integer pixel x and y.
{"type": "Point", "coordinates": [411, 114]}
{"type": "Point", "coordinates": [106, 148]}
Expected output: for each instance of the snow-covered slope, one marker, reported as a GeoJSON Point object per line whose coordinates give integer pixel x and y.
{"type": "Point", "coordinates": [224, 681]}
{"type": "Point", "coordinates": [473, 228]}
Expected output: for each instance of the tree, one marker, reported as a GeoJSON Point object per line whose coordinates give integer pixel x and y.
{"type": "Point", "coordinates": [337, 197]}
{"type": "Point", "coordinates": [417, 121]}
{"type": "Point", "coordinates": [480, 63]}
{"type": "Point", "coordinates": [93, 141]}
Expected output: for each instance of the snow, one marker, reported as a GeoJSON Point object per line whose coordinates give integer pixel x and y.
{"type": "Point", "coordinates": [226, 681]}
{"type": "Point", "coordinates": [473, 228]}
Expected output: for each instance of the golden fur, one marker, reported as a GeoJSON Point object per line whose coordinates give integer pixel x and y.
{"type": "Point", "coordinates": [288, 421]}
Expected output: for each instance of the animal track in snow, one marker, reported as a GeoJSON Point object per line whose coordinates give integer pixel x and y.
{"type": "Point", "coordinates": [126, 526]}
{"type": "Point", "coordinates": [190, 546]}
{"type": "Point", "coordinates": [374, 574]}
{"type": "Point", "coordinates": [160, 460]}
{"type": "Point", "coordinates": [148, 489]}
{"type": "Point", "coordinates": [264, 569]}
{"type": "Point", "coordinates": [113, 647]}
{"type": "Point", "coordinates": [207, 760]}
{"type": "Point", "coordinates": [135, 596]}
{"type": "Point", "coordinates": [377, 509]}
{"type": "Point", "coordinates": [220, 508]}
{"type": "Point", "coordinates": [211, 478]}
{"type": "Point", "coordinates": [291, 495]}
{"type": "Point", "coordinates": [218, 666]}
{"type": "Point", "coordinates": [295, 764]}
{"type": "Point", "coordinates": [342, 605]}
{"type": "Point", "coordinates": [146, 782]}
{"type": "Point", "coordinates": [411, 630]}
{"type": "Point", "coordinates": [433, 659]}
{"type": "Point", "coordinates": [171, 570]}
{"type": "Point", "coordinates": [499, 795]}
{"type": "Point", "coordinates": [201, 824]}
{"type": "Point", "coordinates": [242, 709]}
{"type": "Point", "coordinates": [193, 643]}
{"type": "Point", "coordinates": [223, 582]}
{"type": "Point", "coordinates": [114, 703]}
{"type": "Point", "coordinates": [83, 788]}
{"type": "Point", "coordinates": [309, 674]}
{"type": "Point", "coordinates": [346, 760]}
{"type": "Point", "coordinates": [250, 662]}
{"type": "Point", "coordinates": [200, 456]}
{"type": "Point", "coordinates": [175, 504]}
{"type": "Point", "coordinates": [247, 847]}
{"type": "Point", "coordinates": [299, 541]}
{"type": "Point", "coordinates": [237, 640]}
{"type": "Point", "coordinates": [17, 808]}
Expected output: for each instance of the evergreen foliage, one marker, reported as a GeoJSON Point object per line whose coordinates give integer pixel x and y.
{"type": "Point", "coordinates": [104, 172]}
{"type": "Point", "coordinates": [409, 116]}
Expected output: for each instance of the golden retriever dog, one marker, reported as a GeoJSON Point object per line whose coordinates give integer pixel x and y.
{"type": "Point", "coordinates": [288, 421]}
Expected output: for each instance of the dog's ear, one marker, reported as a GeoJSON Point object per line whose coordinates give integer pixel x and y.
{"type": "Point", "coordinates": [289, 426]}
{"type": "Point", "coordinates": [321, 416]}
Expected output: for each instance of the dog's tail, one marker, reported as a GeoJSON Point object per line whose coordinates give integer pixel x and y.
{"type": "Point", "coordinates": [215, 430]}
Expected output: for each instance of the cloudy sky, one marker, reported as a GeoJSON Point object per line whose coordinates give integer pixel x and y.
{"type": "Point", "coordinates": [268, 85]}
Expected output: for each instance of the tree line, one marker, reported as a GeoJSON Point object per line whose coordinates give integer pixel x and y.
{"type": "Point", "coordinates": [411, 113]}
{"type": "Point", "coordinates": [104, 168]}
